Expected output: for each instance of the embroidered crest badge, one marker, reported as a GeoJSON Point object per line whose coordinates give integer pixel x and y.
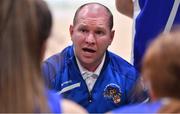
{"type": "Point", "coordinates": [113, 92]}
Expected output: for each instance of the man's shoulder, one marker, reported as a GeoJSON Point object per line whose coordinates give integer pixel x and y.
{"type": "Point", "coordinates": [116, 59]}
{"type": "Point", "coordinates": [122, 66]}
{"type": "Point", "coordinates": [59, 57]}
{"type": "Point", "coordinates": [55, 65]}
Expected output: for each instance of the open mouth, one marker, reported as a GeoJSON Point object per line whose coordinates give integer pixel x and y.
{"type": "Point", "coordinates": [89, 50]}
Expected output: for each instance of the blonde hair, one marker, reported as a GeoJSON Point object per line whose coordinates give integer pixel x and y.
{"type": "Point", "coordinates": [161, 66]}
{"type": "Point", "coordinates": [21, 84]}
{"type": "Point", "coordinates": [172, 107]}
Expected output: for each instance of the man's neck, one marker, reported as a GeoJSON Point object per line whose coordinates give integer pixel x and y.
{"type": "Point", "coordinates": [96, 68]}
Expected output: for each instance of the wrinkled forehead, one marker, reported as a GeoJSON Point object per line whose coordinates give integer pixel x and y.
{"type": "Point", "coordinates": [93, 11]}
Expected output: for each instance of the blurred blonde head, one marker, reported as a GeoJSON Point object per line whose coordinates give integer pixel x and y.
{"type": "Point", "coordinates": [22, 27]}
{"type": "Point", "coordinates": [161, 67]}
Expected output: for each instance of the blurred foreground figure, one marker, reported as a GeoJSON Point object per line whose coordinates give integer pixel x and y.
{"type": "Point", "coordinates": [24, 28]}
{"type": "Point", "coordinates": [161, 72]}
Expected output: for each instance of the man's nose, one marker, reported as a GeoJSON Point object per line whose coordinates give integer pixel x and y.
{"type": "Point", "coordinates": [90, 39]}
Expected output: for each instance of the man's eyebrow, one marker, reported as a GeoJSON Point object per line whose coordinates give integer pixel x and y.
{"type": "Point", "coordinates": [83, 25]}
{"type": "Point", "coordinates": [101, 28]}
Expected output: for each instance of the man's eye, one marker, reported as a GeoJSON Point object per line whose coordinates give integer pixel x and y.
{"type": "Point", "coordinates": [99, 32]}
{"type": "Point", "coordinates": [83, 30]}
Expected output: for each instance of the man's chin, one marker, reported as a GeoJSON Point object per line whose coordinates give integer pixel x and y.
{"type": "Point", "coordinates": [87, 61]}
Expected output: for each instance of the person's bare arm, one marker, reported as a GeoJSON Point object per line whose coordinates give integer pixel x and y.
{"type": "Point", "coordinates": [125, 7]}
{"type": "Point", "coordinates": [69, 107]}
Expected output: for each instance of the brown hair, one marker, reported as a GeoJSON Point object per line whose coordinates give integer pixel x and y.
{"type": "Point", "coordinates": [161, 65]}
{"type": "Point", "coordinates": [21, 40]}
{"type": "Point", "coordinates": [172, 107]}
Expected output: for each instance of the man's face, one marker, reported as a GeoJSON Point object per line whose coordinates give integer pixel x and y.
{"type": "Point", "coordinates": [91, 36]}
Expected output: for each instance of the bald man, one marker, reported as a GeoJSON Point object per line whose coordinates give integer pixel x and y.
{"type": "Point", "coordinates": [86, 72]}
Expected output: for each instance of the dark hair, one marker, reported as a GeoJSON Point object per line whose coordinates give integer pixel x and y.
{"type": "Point", "coordinates": [44, 20]}
{"type": "Point", "coordinates": [107, 9]}
{"type": "Point", "coordinates": [22, 27]}
{"type": "Point", "coordinates": [44, 25]}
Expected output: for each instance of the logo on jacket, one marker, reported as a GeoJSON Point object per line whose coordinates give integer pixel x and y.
{"type": "Point", "coordinates": [113, 92]}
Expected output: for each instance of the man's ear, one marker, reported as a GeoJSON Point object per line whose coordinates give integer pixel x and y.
{"type": "Point", "coordinates": [71, 30]}
{"type": "Point", "coordinates": [111, 36]}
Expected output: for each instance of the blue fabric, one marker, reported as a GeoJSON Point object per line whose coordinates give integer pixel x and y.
{"type": "Point", "coordinates": [140, 108]}
{"type": "Point", "coordinates": [149, 23]}
{"type": "Point", "coordinates": [61, 71]}
{"type": "Point", "coordinates": [53, 102]}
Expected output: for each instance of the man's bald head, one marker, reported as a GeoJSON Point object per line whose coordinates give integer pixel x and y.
{"type": "Point", "coordinates": [94, 7]}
